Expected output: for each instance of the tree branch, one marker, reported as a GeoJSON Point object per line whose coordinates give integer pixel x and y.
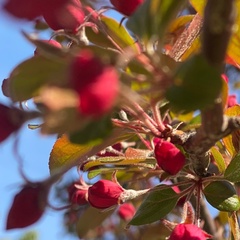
{"type": "Point", "coordinates": [217, 29]}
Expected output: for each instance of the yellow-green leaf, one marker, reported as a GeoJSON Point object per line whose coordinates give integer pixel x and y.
{"type": "Point", "coordinates": [231, 112]}
{"type": "Point", "coordinates": [218, 159]}
{"type": "Point", "coordinates": [118, 33]}
{"type": "Point", "coordinates": [153, 17]}
{"type": "Point", "coordinates": [26, 79]}
{"type": "Point", "coordinates": [64, 152]}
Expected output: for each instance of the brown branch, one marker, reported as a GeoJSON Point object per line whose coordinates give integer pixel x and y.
{"type": "Point", "coordinates": [185, 40]}
{"type": "Point", "coordinates": [217, 28]}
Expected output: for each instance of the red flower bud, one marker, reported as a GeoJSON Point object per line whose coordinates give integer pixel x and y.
{"type": "Point", "coordinates": [28, 206]}
{"type": "Point", "coordinates": [11, 120]}
{"type": "Point", "coordinates": [28, 9]}
{"type": "Point", "coordinates": [96, 83]}
{"type": "Point", "coordinates": [188, 231]}
{"type": "Point", "coordinates": [104, 194]}
{"type": "Point", "coordinates": [182, 200]}
{"type": "Point", "coordinates": [63, 14]}
{"type": "Point", "coordinates": [126, 211]}
{"type": "Point", "coordinates": [50, 42]}
{"type": "Point", "coordinates": [77, 194]}
{"type": "Point", "coordinates": [169, 157]}
{"type": "Point", "coordinates": [224, 77]}
{"type": "Point", "coordinates": [126, 7]}
{"type": "Point", "coordinates": [232, 100]}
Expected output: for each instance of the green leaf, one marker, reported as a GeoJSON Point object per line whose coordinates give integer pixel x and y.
{"type": "Point", "coordinates": [222, 195]}
{"type": "Point", "coordinates": [151, 19]}
{"type": "Point", "coordinates": [196, 85]}
{"type": "Point", "coordinates": [232, 172]}
{"type": "Point", "coordinates": [231, 142]}
{"type": "Point", "coordinates": [93, 133]}
{"type": "Point", "coordinates": [64, 152]}
{"type": "Point", "coordinates": [156, 205]}
{"type": "Point", "coordinates": [90, 219]}
{"type": "Point", "coordinates": [26, 79]}
{"type": "Point", "coordinates": [218, 159]}
{"type": "Point", "coordinates": [98, 38]}
{"type": "Point", "coordinates": [118, 33]}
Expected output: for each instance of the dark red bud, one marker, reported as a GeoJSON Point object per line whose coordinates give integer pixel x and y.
{"type": "Point", "coordinates": [28, 206]}
{"type": "Point", "coordinates": [182, 200]}
{"type": "Point", "coordinates": [188, 231]}
{"type": "Point", "coordinates": [27, 9]}
{"type": "Point", "coordinates": [96, 84]}
{"type": "Point", "coordinates": [126, 211]}
{"type": "Point", "coordinates": [50, 42]}
{"type": "Point", "coordinates": [126, 7]}
{"type": "Point", "coordinates": [77, 195]}
{"type": "Point", "coordinates": [104, 194]}
{"type": "Point", "coordinates": [225, 77]}
{"type": "Point", "coordinates": [169, 157]}
{"type": "Point", "coordinates": [64, 14]}
{"type": "Point", "coordinates": [11, 120]}
{"type": "Point", "coordinates": [232, 100]}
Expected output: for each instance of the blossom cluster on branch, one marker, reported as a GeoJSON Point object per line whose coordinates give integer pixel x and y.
{"type": "Point", "coordinates": [141, 107]}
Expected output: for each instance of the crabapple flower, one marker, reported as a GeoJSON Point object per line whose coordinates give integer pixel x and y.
{"type": "Point", "coordinates": [126, 7]}
{"type": "Point", "coordinates": [11, 119]}
{"type": "Point", "coordinates": [26, 9]}
{"type": "Point", "coordinates": [96, 84]}
{"type": "Point", "coordinates": [58, 14]}
{"type": "Point", "coordinates": [169, 157]}
{"type": "Point", "coordinates": [232, 100]}
{"type": "Point", "coordinates": [28, 206]}
{"type": "Point", "coordinates": [78, 193]}
{"type": "Point", "coordinates": [50, 42]}
{"type": "Point", "coordinates": [63, 14]}
{"type": "Point", "coordinates": [126, 211]}
{"type": "Point", "coordinates": [105, 194]}
{"type": "Point", "coordinates": [188, 231]}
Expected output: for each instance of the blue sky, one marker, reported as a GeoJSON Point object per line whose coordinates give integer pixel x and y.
{"type": "Point", "coordinates": [34, 148]}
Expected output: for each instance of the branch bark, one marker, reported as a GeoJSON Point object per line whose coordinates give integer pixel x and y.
{"type": "Point", "coordinates": [217, 29]}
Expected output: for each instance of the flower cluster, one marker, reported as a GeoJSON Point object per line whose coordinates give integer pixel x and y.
{"type": "Point", "coordinates": [59, 14]}
{"type": "Point", "coordinates": [89, 77]}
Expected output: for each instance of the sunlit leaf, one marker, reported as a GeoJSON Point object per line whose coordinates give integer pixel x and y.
{"type": "Point", "coordinates": [26, 79]}
{"type": "Point", "coordinates": [98, 38]}
{"type": "Point", "coordinates": [156, 205]}
{"type": "Point", "coordinates": [228, 141]}
{"type": "Point", "coordinates": [90, 219]}
{"type": "Point", "coordinates": [118, 33]}
{"type": "Point", "coordinates": [219, 160]}
{"type": "Point", "coordinates": [222, 195]}
{"type": "Point", "coordinates": [196, 85]}
{"type": "Point", "coordinates": [64, 152]}
{"type": "Point", "coordinates": [151, 19]}
{"type": "Point", "coordinates": [232, 172]}
{"type": "Point", "coordinates": [234, 225]}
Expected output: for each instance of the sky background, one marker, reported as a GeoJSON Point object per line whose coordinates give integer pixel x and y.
{"type": "Point", "coordinates": [33, 147]}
